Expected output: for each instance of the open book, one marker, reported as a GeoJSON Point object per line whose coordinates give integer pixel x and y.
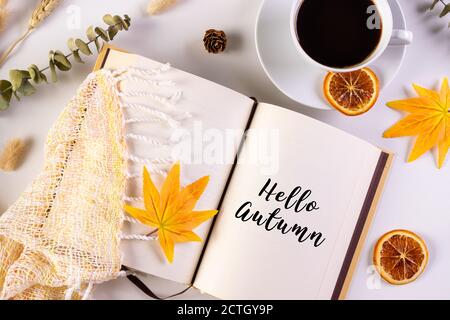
{"type": "Point", "coordinates": [296, 196]}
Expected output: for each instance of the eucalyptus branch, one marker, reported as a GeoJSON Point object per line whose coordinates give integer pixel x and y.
{"type": "Point", "coordinates": [19, 82]}
{"type": "Point", "coordinates": [444, 11]}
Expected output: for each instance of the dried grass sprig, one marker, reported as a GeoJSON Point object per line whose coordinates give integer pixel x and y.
{"type": "Point", "coordinates": [157, 6]}
{"type": "Point", "coordinates": [12, 154]}
{"type": "Point", "coordinates": [40, 13]}
{"type": "Point", "coordinates": [3, 14]}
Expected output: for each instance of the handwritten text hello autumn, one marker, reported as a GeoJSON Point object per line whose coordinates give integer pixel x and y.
{"type": "Point", "coordinates": [297, 201]}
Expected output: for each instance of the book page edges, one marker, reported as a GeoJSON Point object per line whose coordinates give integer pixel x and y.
{"type": "Point", "coordinates": [99, 63]}
{"type": "Point", "coordinates": [367, 225]}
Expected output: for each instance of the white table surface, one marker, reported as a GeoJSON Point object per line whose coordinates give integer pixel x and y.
{"type": "Point", "coordinates": [416, 196]}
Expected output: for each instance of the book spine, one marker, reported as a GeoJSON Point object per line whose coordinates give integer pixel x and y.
{"type": "Point", "coordinates": [247, 127]}
{"type": "Point", "coordinates": [362, 225]}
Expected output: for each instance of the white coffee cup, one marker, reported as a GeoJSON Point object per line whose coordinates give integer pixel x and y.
{"type": "Point", "coordinates": [389, 36]}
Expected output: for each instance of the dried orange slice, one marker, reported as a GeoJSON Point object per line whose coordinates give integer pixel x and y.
{"type": "Point", "coordinates": [400, 256]}
{"type": "Point", "coordinates": [352, 93]}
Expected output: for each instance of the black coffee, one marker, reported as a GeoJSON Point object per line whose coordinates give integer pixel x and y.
{"type": "Point", "coordinates": [338, 33]}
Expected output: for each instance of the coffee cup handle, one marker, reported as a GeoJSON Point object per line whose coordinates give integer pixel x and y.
{"type": "Point", "coordinates": [401, 37]}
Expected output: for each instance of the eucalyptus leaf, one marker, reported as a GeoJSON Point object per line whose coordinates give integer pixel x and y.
{"type": "Point", "coordinates": [5, 94]}
{"type": "Point", "coordinates": [43, 77]}
{"type": "Point", "coordinates": [127, 24]}
{"type": "Point", "coordinates": [4, 103]}
{"type": "Point", "coordinates": [33, 70]}
{"type": "Point", "coordinates": [61, 61]}
{"type": "Point", "coordinates": [83, 47]}
{"type": "Point", "coordinates": [102, 33]}
{"type": "Point", "coordinates": [51, 55]}
{"type": "Point", "coordinates": [71, 45]}
{"type": "Point", "coordinates": [53, 71]}
{"type": "Point", "coordinates": [108, 19]}
{"type": "Point", "coordinates": [27, 89]}
{"type": "Point", "coordinates": [98, 45]}
{"type": "Point", "coordinates": [74, 49]}
{"type": "Point", "coordinates": [112, 32]}
{"type": "Point", "coordinates": [17, 77]}
{"type": "Point", "coordinates": [445, 11]}
{"type": "Point", "coordinates": [119, 22]}
{"type": "Point", "coordinates": [90, 33]}
{"type": "Point", "coordinates": [76, 56]}
{"type": "Point", "coordinates": [124, 23]}
{"type": "Point", "coordinates": [127, 21]}
{"type": "Point", "coordinates": [16, 95]}
{"type": "Point", "coordinates": [33, 74]}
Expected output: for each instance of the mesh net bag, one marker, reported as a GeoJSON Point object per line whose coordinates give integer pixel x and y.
{"type": "Point", "coordinates": [62, 235]}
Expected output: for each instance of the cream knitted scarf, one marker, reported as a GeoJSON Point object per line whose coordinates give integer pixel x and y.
{"type": "Point", "coordinates": [62, 235]}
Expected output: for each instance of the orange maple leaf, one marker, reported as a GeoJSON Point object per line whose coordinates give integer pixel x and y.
{"type": "Point", "coordinates": [429, 120]}
{"type": "Point", "coordinates": [172, 210]}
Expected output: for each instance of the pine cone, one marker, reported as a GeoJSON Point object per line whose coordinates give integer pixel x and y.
{"type": "Point", "coordinates": [215, 41]}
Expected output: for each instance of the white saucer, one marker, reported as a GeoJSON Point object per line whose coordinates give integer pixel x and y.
{"type": "Point", "coordinates": [290, 73]}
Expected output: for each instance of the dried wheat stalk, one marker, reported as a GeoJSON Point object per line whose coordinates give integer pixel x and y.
{"type": "Point", "coordinates": [42, 11]}
{"type": "Point", "coordinates": [3, 14]}
{"type": "Point", "coordinates": [157, 6]}
{"type": "Point", "coordinates": [12, 155]}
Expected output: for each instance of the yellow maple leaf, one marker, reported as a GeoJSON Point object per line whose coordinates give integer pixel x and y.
{"type": "Point", "coordinates": [429, 120]}
{"type": "Point", "coordinates": [172, 210]}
